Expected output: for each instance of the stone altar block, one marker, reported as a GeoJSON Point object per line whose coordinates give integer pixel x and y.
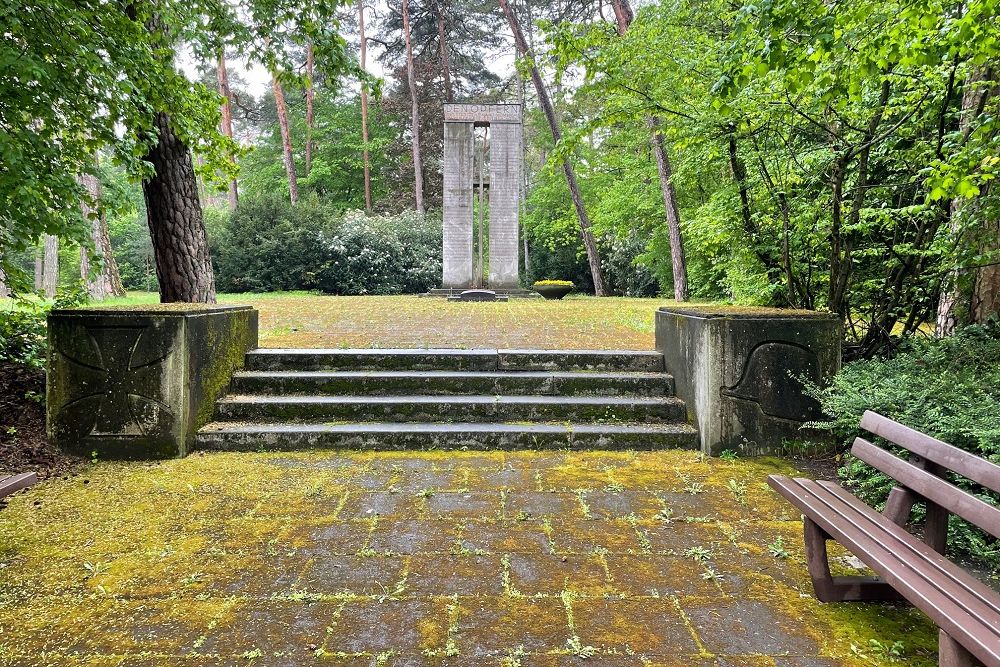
{"type": "Point", "coordinates": [504, 121]}
{"type": "Point", "coordinates": [738, 371]}
{"type": "Point", "coordinates": [137, 383]}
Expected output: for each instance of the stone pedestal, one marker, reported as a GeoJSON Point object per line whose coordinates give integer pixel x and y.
{"type": "Point", "coordinates": [137, 383]}
{"type": "Point", "coordinates": [738, 370]}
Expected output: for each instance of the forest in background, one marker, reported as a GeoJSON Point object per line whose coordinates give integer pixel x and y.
{"type": "Point", "coordinates": [802, 154]}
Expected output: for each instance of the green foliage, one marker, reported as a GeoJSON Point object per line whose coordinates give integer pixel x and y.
{"type": "Point", "coordinates": [268, 244]}
{"type": "Point", "coordinates": [948, 388]}
{"type": "Point", "coordinates": [23, 338]}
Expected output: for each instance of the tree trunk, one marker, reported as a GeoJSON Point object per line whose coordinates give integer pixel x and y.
{"type": "Point", "coordinates": [418, 167]}
{"type": "Point", "coordinates": [176, 225]}
{"type": "Point", "coordinates": [625, 16]}
{"type": "Point", "coordinates": [365, 158]}
{"type": "Point", "coordinates": [286, 140]}
{"type": "Point", "coordinates": [227, 119]}
{"type": "Point", "coordinates": [973, 101]}
{"type": "Point", "coordinates": [4, 290]}
{"type": "Point", "coordinates": [107, 282]}
{"type": "Point", "coordinates": [986, 288]}
{"type": "Point", "coordinates": [593, 257]}
{"type": "Point", "coordinates": [309, 106]}
{"type": "Point", "coordinates": [50, 265]}
{"type": "Point", "coordinates": [449, 93]}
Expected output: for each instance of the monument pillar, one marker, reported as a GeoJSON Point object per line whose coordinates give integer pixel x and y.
{"type": "Point", "coordinates": [505, 180]}
{"type": "Point", "coordinates": [459, 154]}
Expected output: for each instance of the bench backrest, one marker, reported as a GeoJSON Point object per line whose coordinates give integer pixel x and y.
{"type": "Point", "coordinates": [922, 475]}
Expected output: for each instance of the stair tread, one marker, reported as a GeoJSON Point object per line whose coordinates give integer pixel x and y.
{"type": "Point", "coordinates": [448, 399]}
{"type": "Point", "coordinates": [443, 427]}
{"type": "Point", "coordinates": [484, 351]}
{"type": "Point", "coordinates": [449, 374]}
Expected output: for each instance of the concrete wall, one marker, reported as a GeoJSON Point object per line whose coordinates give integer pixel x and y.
{"type": "Point", "coordinates": [137, 383]}
{"type": "Point", "coordinates": [738, 371]}
{"type": "Point", "coordinates": [459, 157]}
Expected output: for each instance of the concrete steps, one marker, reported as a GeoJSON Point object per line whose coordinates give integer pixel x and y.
{"type": "Point", "coordinates": [449, 399]}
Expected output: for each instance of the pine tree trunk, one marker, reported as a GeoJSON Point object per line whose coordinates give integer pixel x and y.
{"type": "Point", "coordinates": [365, 157]}
{"type": "Point", "coordinates": [418, 167]}
{"type": "Point", "coordinates": [4, 290]}
{"type": "Point", "coordinates": [286, 140]}
{"type": "Point", "coordinates": [227, 120]}
{"type": "Point", "coordinates": [50, 265]}
{"type": "Point", "coordinates": [593, 257]}
{"type": "Point", "coordinates": [449, 93]}
{"type": "Point", "coordinates": [309, 107]}
{"type": "Point", "coordinates": [986, 289]}
{"type": "Point", "coordinates": [176, 225]}
{"type": "Point", "coordinates": [625, 16]}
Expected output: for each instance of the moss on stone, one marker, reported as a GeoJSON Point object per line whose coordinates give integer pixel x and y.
{"type": "Point", "coordinates": [216, 556]}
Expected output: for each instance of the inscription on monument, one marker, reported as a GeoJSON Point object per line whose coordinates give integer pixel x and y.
{"type": "Point", "coordinates": [483, 113]}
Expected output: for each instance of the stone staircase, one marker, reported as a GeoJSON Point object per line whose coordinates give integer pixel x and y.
{"type": "Point", "coordinates": [449, 399]}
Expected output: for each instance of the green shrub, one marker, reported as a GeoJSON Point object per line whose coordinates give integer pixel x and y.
{"type": "Point", "coordinates": [23, 339]}
{"type": "Point", "coordinates": [268, 244]}
{"type": "Point", "coordinates": [948, 388]}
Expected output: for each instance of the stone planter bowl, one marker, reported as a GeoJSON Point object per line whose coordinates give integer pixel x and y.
{"type": "Point", "coordinates": [553, 291]}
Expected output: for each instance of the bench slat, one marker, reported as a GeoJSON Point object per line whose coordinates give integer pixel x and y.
{"type": "Point", "coordinates": [964, 463]}
{"type": "Point", "coordinates": [930, 486]}
{"type": "Point", "coordinates": [913, 577]}
{"type": "Point", "coordinates": [962, 578]}
{"type": "Point", "coordinates": [9, 485]}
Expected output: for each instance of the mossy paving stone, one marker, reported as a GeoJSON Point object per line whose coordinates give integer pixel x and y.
{"type": "Point", "coordinates": [541, 504]}
{"type": "Point", "coordinates": [417, 481]}
{"type": "Point", "coordinates": [546, 574]}
{"type": "Point", "coordinates": [329, 536]}
{"type": "Point", "coordinates": [368, 575]}
{"type": "Point", "coordinates": [269, 627]}
{"type": "Point", "coordinates": [617, 504]}
{"type": "Point", "coordinates": [649, 626]}
{"type": "Point", "coordinates": [411, 536]}
{"type": "Point", "coordinates": [363, 505]}
{"type": "Point", "coordinates": [642, 574]}
{"type": "Point", "coordinates": [504, 536]}
{"type": "Point", "coordinates": [748, 627]}
{"type": "Point", "coordinates": [454, 575]}
{"type": "Point", "coordinates": [463, 505]}
{"type": "Point", "coordinates": [402, 626]}
{"type": "Point", "coordinates": [580, 536]}
{"type": "Point", "coordinates": [498, 626]}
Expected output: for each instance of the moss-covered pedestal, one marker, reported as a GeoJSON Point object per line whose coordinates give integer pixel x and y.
{"type": "Point", "coordinates": [138, 382]}
{"type": "Point", "coordinates": [739, 371]}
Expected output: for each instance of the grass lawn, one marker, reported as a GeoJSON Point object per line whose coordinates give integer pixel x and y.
{"type": "Point", "coordinates": [302, 319]}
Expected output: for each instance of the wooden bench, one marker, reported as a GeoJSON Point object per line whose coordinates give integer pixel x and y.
{"type": "Point", "coordinates": [966, 610]}
{"type": "Point", "coordinates": [9, 485]}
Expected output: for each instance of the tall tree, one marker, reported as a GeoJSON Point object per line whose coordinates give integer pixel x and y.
{"type": "Point", "coordinates": [418, 167]}
{"type": "Point", "coordinates": [4, 289]}
{"type": "Point", "coordinates": [176, 225]}
{"type": "Point", "coordinates": [593, 256]}
{"type": "Point", "coordinates": [227, 119]}
{"type": "Point", "coordinates": [439, 10]}
{"type": "Point", "coordinates": [625, 16]}
{"type": "Point", "coordinates": [49, 265]}
{"type": "Point", "coordinates": [106, 281]}
{"type": "Point", "coordinates": [286, 139]}
{"type": "Point", "coordinates": [310, 94]}
{"type": "Point", "coordinates": [365, 155]}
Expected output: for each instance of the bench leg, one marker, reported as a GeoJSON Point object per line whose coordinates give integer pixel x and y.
{"type": "Point", "coordinates": [953, 654]}
{"type": "Point", "coordinates": [838, 589]}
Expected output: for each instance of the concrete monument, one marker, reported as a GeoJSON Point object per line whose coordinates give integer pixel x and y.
{"type": "Point", "coordinates": [505, 160]}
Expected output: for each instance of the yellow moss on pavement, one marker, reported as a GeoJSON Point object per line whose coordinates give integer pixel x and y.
{"type": "Point", "coordinates": [652, 558]}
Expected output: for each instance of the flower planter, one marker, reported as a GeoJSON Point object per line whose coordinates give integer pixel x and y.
{"type": "Point", "coordinates": [553, 291]}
